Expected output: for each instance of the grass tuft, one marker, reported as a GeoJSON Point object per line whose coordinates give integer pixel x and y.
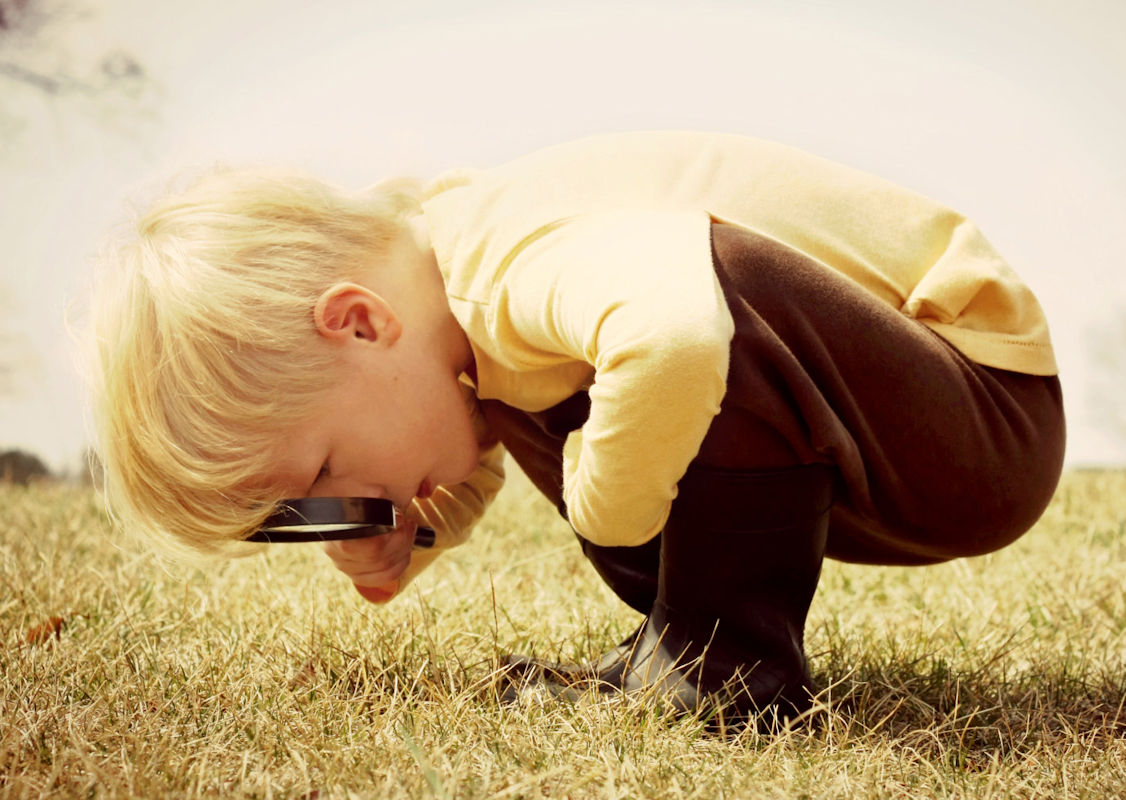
{"type": "Point", "coordinates": [996, 676]}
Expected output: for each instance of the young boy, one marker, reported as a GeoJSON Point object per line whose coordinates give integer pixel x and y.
{"type": "Point", "coordinates": [721, 358]}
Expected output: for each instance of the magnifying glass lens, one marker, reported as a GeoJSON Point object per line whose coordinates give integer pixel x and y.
{"type": "Point", "coordinates": [318, 519]}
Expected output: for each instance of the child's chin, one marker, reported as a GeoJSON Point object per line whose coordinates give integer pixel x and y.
{"type": "Point", "coordinates": [460, 471]}
{"type": "Point", "coordinates": [377, 594]}
{"type": "Point", "coordinates": [471, 463]}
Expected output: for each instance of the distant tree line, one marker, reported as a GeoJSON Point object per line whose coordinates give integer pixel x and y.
{"type": "Point", "coordinates": [22, 468]}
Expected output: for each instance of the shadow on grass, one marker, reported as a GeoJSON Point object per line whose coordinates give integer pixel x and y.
{"type": "Point", "coordinates": [963, 712]}
{"type": "Point", "coordinates": [971, 716]}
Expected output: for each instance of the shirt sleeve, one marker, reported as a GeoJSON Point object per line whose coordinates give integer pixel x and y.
{"type": "Point", "coordinates": [453, 511]}
{"type": "Point", "coordinates": [633, 294]}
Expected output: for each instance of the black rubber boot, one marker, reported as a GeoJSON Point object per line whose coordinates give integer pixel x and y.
{"type": "Point", "coordinates": [740, 558]}
{"type": "Point", "coordinates": [631, 572]}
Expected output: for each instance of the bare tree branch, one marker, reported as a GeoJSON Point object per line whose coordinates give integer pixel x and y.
{"type": "Point", "coordinates": [10, 13]}
{"type": "Point", "coordinates": [116, 69]}
{"type": "Point", "coordinates": [46, 83]}
{"type": "Point", "coordinates": [35, 54]}
{"type": "Point", "coordinates": [27, 18]}
{"type": "Point", "coordinates": [44, 52]}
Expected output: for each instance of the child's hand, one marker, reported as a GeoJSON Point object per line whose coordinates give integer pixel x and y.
{"type": "Point", "coordinates": [374, 564]}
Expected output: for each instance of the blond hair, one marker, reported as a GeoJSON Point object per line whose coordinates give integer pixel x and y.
{"type": "Point", "coordinates": [204, 347]}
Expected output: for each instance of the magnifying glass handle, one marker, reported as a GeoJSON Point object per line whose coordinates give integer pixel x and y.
{"type": "Point", "coordinates": [423, 536]}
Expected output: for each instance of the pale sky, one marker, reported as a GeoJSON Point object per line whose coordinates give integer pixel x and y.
{"type": "Point", "coordinates": [1012, 111]}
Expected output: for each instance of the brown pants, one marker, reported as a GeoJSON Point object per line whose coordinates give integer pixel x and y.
{"type": "Point", "coordinates": [938, 457]}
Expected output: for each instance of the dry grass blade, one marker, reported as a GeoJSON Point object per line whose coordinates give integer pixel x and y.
{"type": "Point", "coordinates": [997, 676]}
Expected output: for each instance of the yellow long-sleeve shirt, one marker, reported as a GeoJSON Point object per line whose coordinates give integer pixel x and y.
{"type": "Point", "coordinates": [588, 266]}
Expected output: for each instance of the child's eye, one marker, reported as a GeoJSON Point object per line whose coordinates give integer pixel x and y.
{"type": "Point", "coordinates": [324, 473]}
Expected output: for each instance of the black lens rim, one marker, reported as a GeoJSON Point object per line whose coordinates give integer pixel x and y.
{"type": "Point", "coordinates": [297, 520]}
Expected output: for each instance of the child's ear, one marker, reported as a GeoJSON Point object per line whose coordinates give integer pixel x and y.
{"type": "Point", "coordinates": [350, 311]}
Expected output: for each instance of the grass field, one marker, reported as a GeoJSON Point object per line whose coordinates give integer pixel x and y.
{"type": "Point", "coordinates": [1002, 676]}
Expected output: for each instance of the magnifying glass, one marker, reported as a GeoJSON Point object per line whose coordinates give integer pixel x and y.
{"type": "Point", "coordinates": [320, 519]}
